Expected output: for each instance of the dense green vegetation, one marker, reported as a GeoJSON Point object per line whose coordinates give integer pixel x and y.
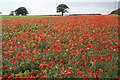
{"type": "Point", "coordinates": [116, 12]}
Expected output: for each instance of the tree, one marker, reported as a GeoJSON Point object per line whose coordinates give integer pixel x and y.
{"type": "Point", "coordinates": [21, 10]}
{"type": "Point", "coordinates": [116, 12]}
{"type": "Point", "coordinates": [12, 13]}
{"type": "Point", "coordinates": [62, 8]}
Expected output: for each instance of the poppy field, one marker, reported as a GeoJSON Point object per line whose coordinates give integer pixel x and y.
{"type": "Point", "coordinates": [61, 47]}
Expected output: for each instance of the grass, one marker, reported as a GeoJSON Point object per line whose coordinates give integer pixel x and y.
{"type": "Point", "coordinates": [19, 17]}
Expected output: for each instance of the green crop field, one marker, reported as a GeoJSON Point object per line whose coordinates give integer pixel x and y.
{"type": "Point", "coordinates": [19, 17]}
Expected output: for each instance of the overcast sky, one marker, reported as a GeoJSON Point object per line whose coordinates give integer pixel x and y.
{"type": "Point", "coordinates": [48, 7]}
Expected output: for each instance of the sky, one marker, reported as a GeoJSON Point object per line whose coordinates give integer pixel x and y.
{"type": "Point", "coordinates": [48, 7]}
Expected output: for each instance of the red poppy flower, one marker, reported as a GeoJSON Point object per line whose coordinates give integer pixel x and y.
{"type": "Point", "coordinates": [50, 64]}
{"type": "Point", "coordinates": [100, 71]}
{"type": "Point", "coordinates": [5, 75]}
{"type": "Point", "coordinates": [61, 61]}
{"type": "Point", "coordinates": [11, 76]}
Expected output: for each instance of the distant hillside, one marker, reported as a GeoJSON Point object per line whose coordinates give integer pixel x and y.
{"type": "Point", "coordinates": [116, 12]}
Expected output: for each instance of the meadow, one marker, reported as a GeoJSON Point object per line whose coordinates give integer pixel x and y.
{"type": "Point", "coordinates": [60, 47]}
{"type": "Point", "coordinates": [7, 17]}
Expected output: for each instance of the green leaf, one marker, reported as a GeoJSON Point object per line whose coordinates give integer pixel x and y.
{"type": "Point", "coordinates": [64, 40]}
{"type": "Point", "coordinates": [42, 45]}
{"type": "Point", "coordinates": [27, 72]}
{"type": "Point", "coordinates": [20, 73]}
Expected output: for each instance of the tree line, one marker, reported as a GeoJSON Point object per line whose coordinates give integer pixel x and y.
{"type": "Point", "coordinates": [23, 11]}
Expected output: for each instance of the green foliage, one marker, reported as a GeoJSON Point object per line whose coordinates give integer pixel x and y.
{"type": "Point", "coordinates": [42, 45]}
{"type": "Point", "coordinates": [62, 8]}
{"type": "Point", "coordinates": [116, 12]}
{"type": "Point", "coordinates": [64, 40]}
{"type": "Point", "coordinates": [21, 10]}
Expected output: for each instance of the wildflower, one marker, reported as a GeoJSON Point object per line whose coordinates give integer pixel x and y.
{"type": "Point", "coordinates": [83, 56]}
{"type": "Point", "coordinates": [109, 58]}
{"type": "Point", "coordinates": [55, 68]}
{"type": "Point", "coordinates": [50, 64]}
{"type": "Point", "coordinates": [44, 71]}
{"type": "Point", "coordinates": [43, 77]}
{"type": "Point", "coordinates": [37, 76]}
{"type": "Point", "coordinates": [13, 60]}
{"type": "Point", "coordinates": [43, 59]}
{"type": "Point", "coordinates": [100, 71]}
{"type": "Point", "coordinates": [35, 71]}
{"type": "Point", "coordinates": [83, 75]}
{"type": "Point", "coordinates": [101, 58]}
{"type": "Point", "coordinates": [93, 61]}
{"type": "Point", "coordinates": [61, 61]}
{"type": "Point", "coordinates": [70, 68]}
{"type": "Point", "coordinates": [5, 75]}
{"type": "Point", "coordinates": [56, 59]}
{"type": "Point", "coordinates": [17, 75]}
{"type": "Point", "coordinates": [42, 65]}
{"type": "Point", "coordinates": [11, 76]}
{"type": "Point", "coordinates": [79, 73]}
{"type": "Point", "coordinates": [23, 75]}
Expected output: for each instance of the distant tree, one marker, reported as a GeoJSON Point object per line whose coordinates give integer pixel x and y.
{"type": "Point", "coordinates": [0, 12]}
{"type": "Point", "coordinates": [21, 11]}
{"type": "Point", "coordinates": [62, 8]}
{"type": "Point", "coordinates": [116, 12]}
{"type": "Point", "coordinates": [12, 13]}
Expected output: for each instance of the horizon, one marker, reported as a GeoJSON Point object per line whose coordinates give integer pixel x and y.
{"type": "Point", "coordinates": [40, 7]}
